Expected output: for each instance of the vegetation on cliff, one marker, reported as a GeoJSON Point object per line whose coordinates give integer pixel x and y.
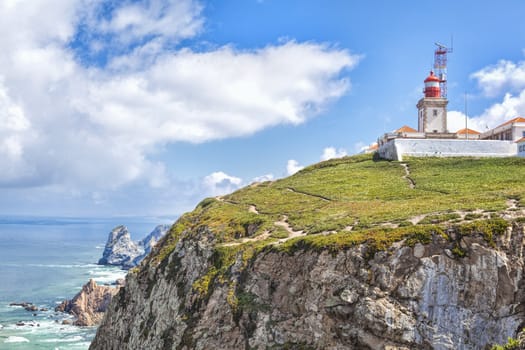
{"type": "Point", "coordinates": [344, 202]}
{"type": "Point", "coordinates": [230, 256]}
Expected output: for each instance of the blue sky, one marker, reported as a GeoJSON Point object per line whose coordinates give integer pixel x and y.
{"type": "Point", "coordinates": [111, 108]}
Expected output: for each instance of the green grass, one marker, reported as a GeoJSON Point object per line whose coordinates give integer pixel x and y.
{"type": "Point", "coordinates": [362, 193]}
{"type": "Point", "coordinates": [512, 344]}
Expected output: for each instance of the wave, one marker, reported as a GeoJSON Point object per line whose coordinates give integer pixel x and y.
{"type": "Point", "coordinates": [16, 339]}
{"type": "Point", "coordinates": [75, 338]}
{"type": "Point", "coordinates": [104, 275]}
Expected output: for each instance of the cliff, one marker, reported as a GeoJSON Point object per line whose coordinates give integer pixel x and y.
{"type": "Point", "coordinates": [347, 254]}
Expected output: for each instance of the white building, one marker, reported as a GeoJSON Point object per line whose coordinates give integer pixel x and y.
{"type": "Point", "coordinates": [511, 130]}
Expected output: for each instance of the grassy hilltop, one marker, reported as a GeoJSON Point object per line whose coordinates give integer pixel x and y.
{"type": "Point", "coordinates": [347, 201]}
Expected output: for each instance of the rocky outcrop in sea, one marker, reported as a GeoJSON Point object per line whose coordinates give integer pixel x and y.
{"type": "Point", "coordinates": [121, 250]}
{"type": "Point", "coordinates": [89, 305]}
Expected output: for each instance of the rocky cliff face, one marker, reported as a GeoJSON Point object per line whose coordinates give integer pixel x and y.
{"type": "Point", "coordinates": [89, 305]}
{"type": "Point", "coordinates": [120, 250]}
{"type": "Point", "coordinates": [452, 291]}
{"type": "Point", "coordinates": [151, 240]}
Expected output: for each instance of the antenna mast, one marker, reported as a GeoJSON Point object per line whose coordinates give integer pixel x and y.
{"type": "Point", "coordinates": [440, 66]}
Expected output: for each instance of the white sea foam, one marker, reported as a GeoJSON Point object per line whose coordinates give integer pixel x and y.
{"type": "Point", "coordinates": [103, 275]}
{"type": "Point", "coordinates": [15, 339]}
{"type": "Point", "coordinates": [75, 338]}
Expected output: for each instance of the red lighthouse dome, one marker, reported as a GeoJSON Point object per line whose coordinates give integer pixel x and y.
{"type": "Point", "coordinates": [432, 88]}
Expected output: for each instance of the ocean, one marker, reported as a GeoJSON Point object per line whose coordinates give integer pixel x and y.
{"type": "Point", "coordinates": [46, 260]}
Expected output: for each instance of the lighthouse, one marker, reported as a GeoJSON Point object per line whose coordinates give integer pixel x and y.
{"type": "Point", "coordinates": [432, 108]}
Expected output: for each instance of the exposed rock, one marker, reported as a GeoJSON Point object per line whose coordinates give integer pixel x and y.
{"type": "Point", "coordinates": [120, 282]}
{"type": "Point", "coordinates": [403, 298]}
{"type": "Point", "coordinates": [89, 305]}
{"type": "Point", "coordinates": [149, 242]}
{"type": "Point", "coordinates": [120, 250]}
{"type": "Point", "coordinates": [27, 306]}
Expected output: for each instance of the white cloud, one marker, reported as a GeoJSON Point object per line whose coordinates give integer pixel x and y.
{"type": "Point", "coordinates": [360, 147]}
{"type": "Point", "coordinates": [505, 77]}
{"type": "Point", "coordinates": [502, 76]}
{"type": "Point", "coordinates": [263, 178]}
{"type": "Point", "coordinates": [94, 129]}
{"type": "Point", "coordinates": [219, 183]}
{"type": "Point", "coordinates": [498, 113]}
{"type": "Point", "coordinates": [196, 97]}
{"type": "Point", "coordinates": [174, 19]}
{"type": "Point", "coordinates": [293, 166]}
{"type": "Point", "coordinates": [332, 152]}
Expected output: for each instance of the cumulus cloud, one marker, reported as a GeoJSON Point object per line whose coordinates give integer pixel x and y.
{"type": "Point", "coordinates": [219, 183]}
{"type": "Point", "coordinates": [496, 114]}
{"type": "Point", "coordinates": [332, 152]}
{"type": "Point", "coordinates": [506, 78]}
{"type": "Point", "coordinates": [195, 97]}
{"type": "Point", "coordinates": [293, 166]}
{"type": "Point", "coordinates": [263, 178]}
{"type": "Point", "coordinates": [502, 76]}
{"type": "Point", "coordinates": [360, 146]}
{"type": "Point", "coordinates": [107, 30]}
{"type": "Point", "coordinates": [92, 123]}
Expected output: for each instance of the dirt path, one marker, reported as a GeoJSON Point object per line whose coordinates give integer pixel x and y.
{"type": "Point", "coordinates": [291, 233]}
{"type": "Point", "coordinates": [282, 223]}
{"type": "Point", "coordinates": [411, 182]}
{"type": "Point", "coordinates": [512, 204]}
{"type": "Point", "coordinates": [260, 237]}
{"type": "Point", "coordinates": [326, 199]}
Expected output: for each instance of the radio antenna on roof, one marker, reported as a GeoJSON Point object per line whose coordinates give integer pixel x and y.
{"type": "Point", "coordinates": [440, 66]}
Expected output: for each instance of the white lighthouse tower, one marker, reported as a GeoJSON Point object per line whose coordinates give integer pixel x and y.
{"type": "Point", "coordinates": [432, 108]}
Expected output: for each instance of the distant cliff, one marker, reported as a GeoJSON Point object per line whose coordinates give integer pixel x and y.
{"type": "Point", "coordinates": [346, 254]}
{"type": "Point", "coordinates": [120, 250]}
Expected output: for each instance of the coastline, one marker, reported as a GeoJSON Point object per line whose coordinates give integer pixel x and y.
{"type": "Point", "coordinates": [44, 261]}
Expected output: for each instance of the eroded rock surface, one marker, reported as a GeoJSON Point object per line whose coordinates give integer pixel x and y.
{"type": "Point", "coordinates": [89, 305]}
{"type": "Point", "coordinates": [121, 250]}
{"type": "Point", "coordinates": [420, 297]}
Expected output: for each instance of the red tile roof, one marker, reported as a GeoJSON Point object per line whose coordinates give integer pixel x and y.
{"type": "Point", "coordinates": [467, 131]}
{"type": "Point", "coordinates": [405, 128]}
{"type": "Point", "coordinates": [512, 121]}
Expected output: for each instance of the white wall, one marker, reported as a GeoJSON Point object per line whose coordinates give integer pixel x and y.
{"type": "Point", "coordinates": [521, 149]}
{"type": "Point", "coordinates": [396, 149]}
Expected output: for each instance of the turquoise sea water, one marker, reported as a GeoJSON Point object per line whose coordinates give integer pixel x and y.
{"type": "Point", "coordinates": [44, 261]}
